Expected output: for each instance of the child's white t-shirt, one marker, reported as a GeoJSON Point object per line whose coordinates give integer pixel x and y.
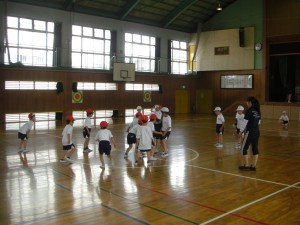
{"type": "Point", "coordinates": [145, 136]}
{"type": "Point", "coordinates": [67, 130]}
{"type": "Point", "coordinates": [220, 119]}
{"type": "Point", "coordinates": [103, 135]}
{"type": "Point", "coordinates": [26, 127]}
{"type": "Point", "coordinates": [166, 122]}
{"type": "Point", "coordinates": [88, 122]}
{"type": "Point", "coordinates": [239, 119]}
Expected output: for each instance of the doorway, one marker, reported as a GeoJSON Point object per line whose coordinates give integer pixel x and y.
{"type": "Point", "coordinates": [182, 101]}
{"type": "Point", "coordinates": [204, 101]}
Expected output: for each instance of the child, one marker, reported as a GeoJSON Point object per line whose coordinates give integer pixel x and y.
{"type": "Point", "coordinates": [157, 126]}
{"type": "Point", "coordinates": [67, 143]}
{"type": "Point", "coordinates": [220, 122]}
{"type": "Point", "coordinates": [135, 120]}
{"type": "Point", "coordinates": [284, 119]}
{"type": "Point", "coordinates": [131, 137]}
{"type": "Point", "coordinates": [144, 139]}
{"type": "Point", "coordinates": [239, 118]}
{"type": "Point", "coordinates": [105, 137]}
{"type": "Point", "coordinates": [87, 130]}
{"type": "Point", "coordinates": [24, 131]}
{"type": "Point", "coordinates": [151, 124]}
{"type": "Point", "coordinates": [165, 129]}
{"type": "Point", "coordinates": [139, 109]}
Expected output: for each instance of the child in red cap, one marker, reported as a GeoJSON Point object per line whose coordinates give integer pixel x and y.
{"type": "Point", "coordinates": [131, 137]}
{"type": "Point", "coordinates": [144, 140]}
{"type": "Point", "coordinates": [68, 146]}
{"type": "Point", "coordinates": [24, 133]}
{"type": "Point", "coordinates": [105, 137]}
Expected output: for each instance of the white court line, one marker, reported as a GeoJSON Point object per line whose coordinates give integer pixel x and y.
{"type": "Point", "coordinates": [250, 203]}
{"type": "Point", "coordinates": [251, 178]}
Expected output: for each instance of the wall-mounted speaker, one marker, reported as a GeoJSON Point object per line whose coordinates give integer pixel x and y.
{"type": "Point", "coordinates": [59, 87]}
{"type": "Point", "coordinates": [160, 90]}
{"type": "Point", "coordinates": [74, 87]}
{"type": "Point", "coordinates": [242, 37]}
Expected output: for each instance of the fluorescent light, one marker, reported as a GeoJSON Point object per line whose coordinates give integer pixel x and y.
{"type": "Point", "coordinates": [219, 8]}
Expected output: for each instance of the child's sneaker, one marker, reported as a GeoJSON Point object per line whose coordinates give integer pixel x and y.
{"type": "Point", "coordinates": [136, 163]}
{"type": "Point", "coordinates": [87, 150]}
{"type": "Point", "coordinates": [164, 154]}
{"type": "Point", "coordinates": [68, 159]}
{"type": "Point", "coordinates": [219, 146]}
{"type": "Point", "coordinates": [152, 158]}
{"type": "Point", "coordinates": [216, 144]}
{"type": "Point", "coordinates": [252, 168]}
{"type": "Point", "coordinates": [244, 168]}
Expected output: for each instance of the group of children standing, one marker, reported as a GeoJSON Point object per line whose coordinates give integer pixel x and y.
{"type": "Point", "coordinates": [147, 134]}
{"type": "Point", "coordinates": [103, 136]}
{"type": "Point", "coordinates": [247, 131]}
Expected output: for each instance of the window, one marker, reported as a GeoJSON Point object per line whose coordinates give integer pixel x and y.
{"type": "Point", "coordinates": [179, 54]}
{"type": "Point", "coordinates": [90, 48]}
{"type": "Point", "coordinates": [151, 87]}
{"type": "Point", "coordinates": [97, 86]}
{"type": "Point", "coordinates": [30, 85]}
{"type": "Point", "coordinates": [140, 49]}
{"type": "Point", "coordinates": [30, 42]}
{"type": "Point", "coordinates": [133, 87]}
{"type": "Point", "coordinates": [106, 86]}
{"type": "Point", "coordinates": [99, 115]}
{"type": "Point", "coordinates": [141, 87]}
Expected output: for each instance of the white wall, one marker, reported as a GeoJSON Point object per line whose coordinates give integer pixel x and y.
{"type": "Point", "coordinates": [239, 58]}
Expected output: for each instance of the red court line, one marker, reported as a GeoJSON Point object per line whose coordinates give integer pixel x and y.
{"type": "Point", "coordinates": [202, 205]}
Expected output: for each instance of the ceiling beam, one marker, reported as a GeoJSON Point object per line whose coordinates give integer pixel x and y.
{"type": "Point", "coordinates": [68, 5]}
{"type": "Point", "coordinates": [177, 11]}
{"type": "Point", "coordinates": [128, 8]}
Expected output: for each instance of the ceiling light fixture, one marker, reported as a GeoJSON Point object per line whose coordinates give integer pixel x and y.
{"type": "Point", "coordinates": [219, 8]}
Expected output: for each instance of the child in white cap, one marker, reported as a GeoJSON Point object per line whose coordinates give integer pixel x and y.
{"type": "Point", "coordinates": [284, 119]}
{"type": "Point", "coordinates": [220, 122]}
{"type": "Point", "coordinates": [239, 118]}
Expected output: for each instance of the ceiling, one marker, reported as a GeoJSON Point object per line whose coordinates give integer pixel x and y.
{"type": "Point", "coordinates": [180, 15]}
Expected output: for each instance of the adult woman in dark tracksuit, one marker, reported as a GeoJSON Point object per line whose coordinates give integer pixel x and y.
{"type": "Point", "coordinates": [250, 129]}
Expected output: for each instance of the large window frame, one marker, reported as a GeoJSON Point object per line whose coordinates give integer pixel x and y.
{"type": "Point", "coordinates": [140, 49]}
{"type": "Point", "coordinates": [29, 42]}
{"type": "Point", "coordinates": [179, 57]}
{"type": "Point", "coordinates": [91, 47]}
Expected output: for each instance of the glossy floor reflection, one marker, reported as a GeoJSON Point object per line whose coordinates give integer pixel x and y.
{"type": "Point", "coordinates": [196, 184]}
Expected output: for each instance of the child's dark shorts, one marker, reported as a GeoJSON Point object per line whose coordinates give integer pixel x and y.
{"type": "Point", "coordinates": [86, 132]}
{"type": "Point", "coordinates": [22, 136]}
{"type": "Point", "coordinates": [166, 136]}
{"type": "Point", "coordinates": [104, 147]}
{"type": "Point", "coordinates": [131, 138]}
{"type": "Point", "coordinates": [218, 126]}
{"type": "Point", "coordinates": [68, 147]}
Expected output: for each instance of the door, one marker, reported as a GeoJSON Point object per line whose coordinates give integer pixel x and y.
{"type": "Point", "coordinates": [182, 101]}
{"type": "Point", "coordinates": [204, 101]}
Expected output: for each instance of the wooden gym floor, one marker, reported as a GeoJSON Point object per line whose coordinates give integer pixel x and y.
{"type": "Point", "coordinates": [197, 184]}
